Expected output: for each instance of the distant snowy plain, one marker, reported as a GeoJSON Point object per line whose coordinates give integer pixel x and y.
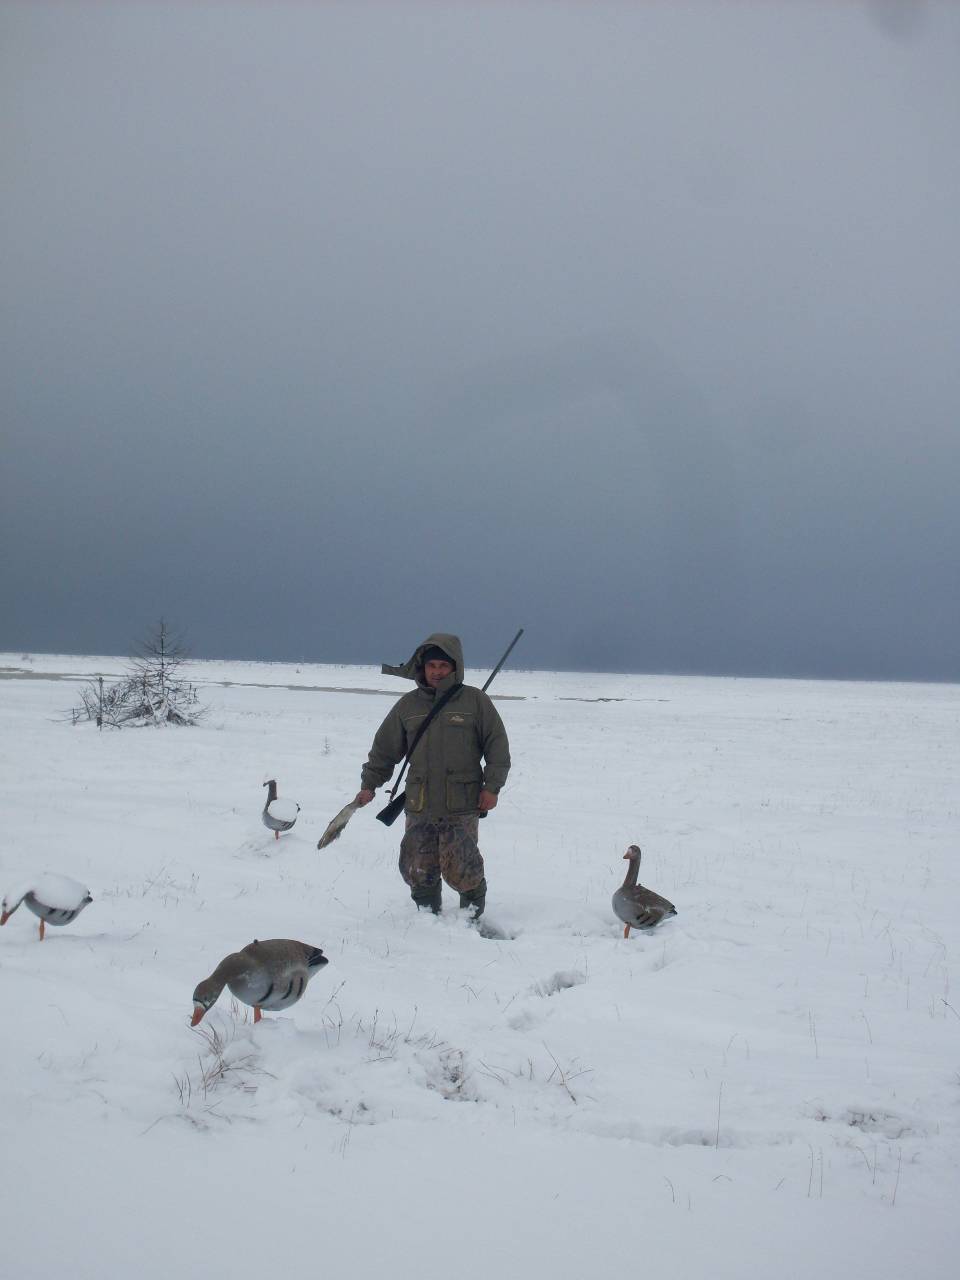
{"type": "Point", "coordinates": [767, 1085]}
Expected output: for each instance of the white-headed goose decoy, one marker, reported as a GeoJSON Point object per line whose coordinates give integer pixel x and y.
{"type": "Point", "coordinates": [55, 899]}
{"type": "Point", "coordinates": [636, 906]}
{"type": "Point", "coordinates": [267, 975]}
{"type": "Point", "coordinates": [278, 815]}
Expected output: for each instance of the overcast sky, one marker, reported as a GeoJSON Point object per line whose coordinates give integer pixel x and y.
{"type": "Point", "coordinates": [327, 325]}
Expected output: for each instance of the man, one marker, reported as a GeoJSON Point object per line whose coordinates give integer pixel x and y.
{"type": "Point", "coordinates": [455, 774]}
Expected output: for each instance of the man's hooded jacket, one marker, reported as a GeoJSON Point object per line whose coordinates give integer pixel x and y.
{"type": "Point", "coordinates": [464, 749]}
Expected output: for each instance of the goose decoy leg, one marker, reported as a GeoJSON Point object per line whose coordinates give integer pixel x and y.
{"type": "Point", "coordinates": [626, 931]}
{"type": "Point", "coordinates": [42, 930]}
{"type": "Point", "coordinates": [257, 1015]}
{"type": "Point", "coordinates": [276, 835]}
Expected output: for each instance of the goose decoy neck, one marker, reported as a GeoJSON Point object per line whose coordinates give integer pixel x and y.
{"type": "Point", "coordinates": [633, 866]}
{"type": "Point", "coordinates": [272, 793]}
{"type": "Point", "coordinates": [207, 992]}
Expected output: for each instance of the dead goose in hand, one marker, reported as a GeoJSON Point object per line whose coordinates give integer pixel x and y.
{"type": "Point", "coordinates": [55, 899]}
{"type": "Point", "coordinates": [266, 975]}
{"type": "Point", "coordinates": [637, 906]}
{"type": "Point", "coordinates": [278, 815]}
{"type": "Point", "coordinates": [335, 825]}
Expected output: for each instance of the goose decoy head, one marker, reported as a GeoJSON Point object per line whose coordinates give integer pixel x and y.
{"type": "Point", "coordinates": [633, 852]}
{"type": "Point", "coordinates": [11, 901]}
{"type": "Point", "coordinates": [204, 998]}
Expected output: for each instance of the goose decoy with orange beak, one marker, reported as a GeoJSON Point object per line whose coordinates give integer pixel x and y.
{"type": "Point", "coordinates": [278, 815]}
{"type": "Point", "coordinates": [266, 975]}
{"type": "Point", "coordinates": [55, 899]}
{"type": "Point", "coordinates": [637, 906]}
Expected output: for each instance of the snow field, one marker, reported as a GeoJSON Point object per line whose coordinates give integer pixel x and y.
{"type": "Point", "coordinates": [768, 1082]}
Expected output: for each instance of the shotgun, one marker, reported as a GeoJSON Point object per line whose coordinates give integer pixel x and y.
{"type": "Point", "coordinates": [392, 811]}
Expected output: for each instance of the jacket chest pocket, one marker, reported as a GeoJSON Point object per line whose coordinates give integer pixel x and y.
{"type": "Point", "coordinates": [461, 751]}
{"type": "Point", "coordinates": [411, 727]}
{"type": "Point", "coordinates": [411, 723]}
{"type": "Point", "coordinates": [461, 758]}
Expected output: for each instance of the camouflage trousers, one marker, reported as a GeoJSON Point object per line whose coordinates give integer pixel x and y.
{"type": "Point", "coordinates": [435, 848]}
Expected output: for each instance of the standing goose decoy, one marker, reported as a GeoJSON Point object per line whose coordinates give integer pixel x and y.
{"type": "Point", "coordinates": [278, 815]}
{"type": "Point", "coordinates": [636, 906]}
{"type": "Point", "coordinates": [267, 975]}
{"type": "Point", "coordinates": [55, 899]}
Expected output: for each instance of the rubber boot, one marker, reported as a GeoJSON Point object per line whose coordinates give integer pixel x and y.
{"type": "Point", "coordinates": [428, 899]}
{"type": "Point", "coordinates": [475, 899]}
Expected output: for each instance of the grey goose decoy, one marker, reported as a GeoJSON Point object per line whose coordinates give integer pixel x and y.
{"type": "Point", "coordinates": [637, 906]}
{"type": "Point", "coordinates": [278, 815]}
{"type": "Point", "coordinates": [55, 899]}
{"type": "Point", "coordinates": [266, 975]}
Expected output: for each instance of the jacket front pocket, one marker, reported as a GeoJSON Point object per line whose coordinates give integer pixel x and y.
{"type": "Point", "coordinates": [463, 793]}
{"type": "Point", "coordinates": [416, 795]}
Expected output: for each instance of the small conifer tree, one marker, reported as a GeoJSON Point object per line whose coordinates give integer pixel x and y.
{"type": "Point", "coordinates": [153, 691]}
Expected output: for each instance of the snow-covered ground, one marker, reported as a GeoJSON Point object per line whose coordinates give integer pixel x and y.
{"type": "Point", "coordinates": [767, 1085]}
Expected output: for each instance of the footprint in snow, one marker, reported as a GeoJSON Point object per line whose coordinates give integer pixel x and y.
{"type": "Point", "coordinates": [562, 980]}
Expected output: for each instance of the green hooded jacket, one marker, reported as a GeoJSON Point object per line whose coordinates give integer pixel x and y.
{"type": "Point", "coordinates": [464, 750]}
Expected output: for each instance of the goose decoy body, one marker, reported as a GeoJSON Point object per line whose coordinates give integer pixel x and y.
{"type": "Point", "coordinates": [267, 975]}
{"type": "Point", "coordinates": [278, 815]}
{"type": "Point", "coordinates": [55, 899]}
{"type": "Point", "coordinates": [637, 906]}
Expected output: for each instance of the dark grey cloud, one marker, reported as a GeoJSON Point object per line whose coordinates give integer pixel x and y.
{"type": "Point", "coordinates": [327, 325]}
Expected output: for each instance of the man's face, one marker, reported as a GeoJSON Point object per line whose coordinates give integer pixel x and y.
{"type": "Point", "coordinates": [436, 670]}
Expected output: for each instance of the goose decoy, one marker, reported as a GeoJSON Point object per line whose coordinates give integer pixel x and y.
{"type": "Point", "coordinates": [55, 899]}
{"type": "Point", "coordinates": [278, 815]}
{"type": "Point", "coordinates": [636, 906]}
{"type": "Point", "coordinates": [267, 975]}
